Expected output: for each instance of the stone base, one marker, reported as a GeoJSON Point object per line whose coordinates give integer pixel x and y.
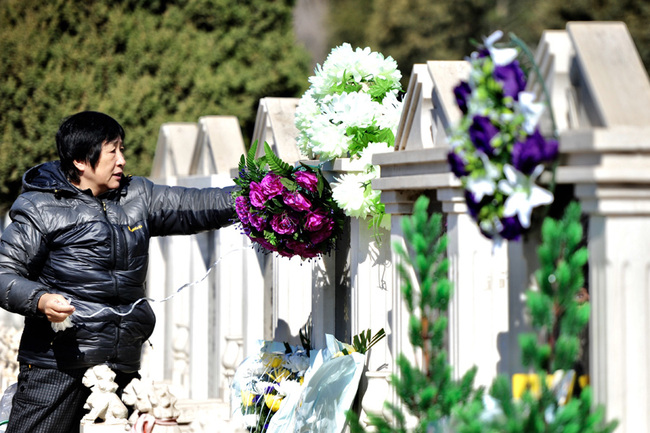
{"type": "Point", "coordinates": [113, 427]}
{"type": "Point", "coordinates": [206, 416]}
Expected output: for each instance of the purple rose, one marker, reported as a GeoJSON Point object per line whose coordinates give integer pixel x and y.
{"type": "Point", "coordinates": [323, 234]}
{"type": "Point", "coordinates": [457, 164]}
{"type": "Point", "coordinates": [272, 185]}
{"type": "Point", "coordinates": [296, 201]}
{"type": "Point", "coordinates": [512, 228]}
{"type": "Point", "coordinates": [241, 207]}
{"type": "Point", "coordinates": [283, 224]}
{"type": "Point", "coordinates": [257, 220]}
{"type": "Point", "coordinates": [481, 132]}
{"type": "Point", "coordinates": [462, 93]}
{"type": "Point", "coordinates": [285, 252]}
{"type": "Point", "coordinates": [256, 194]}
{"type": "Point", "coordinates": [316, 220]}
{"type": "Point", "coordinates": [533, 151]}
{"type": "Point", "coordinates": [473, 206]}
{"type": "Point", "coordinates": [264, 243]}
{"type": "Point", "coordinates": [512, 79]}
{"type": "Point", "coordinates": [306, 179]}
{"type": "Point", "coordinates": [302, 249]}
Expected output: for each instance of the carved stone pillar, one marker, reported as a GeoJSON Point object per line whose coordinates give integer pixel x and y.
{"type": "Point", "coordinates": [609, 168]}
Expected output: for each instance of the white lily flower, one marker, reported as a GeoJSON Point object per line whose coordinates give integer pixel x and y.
{"type": "Point", "coordinates": [486, 184]}
{"type": "Point", "coordinates": [480, 186]}
{"type": "Point", "coordinates": [523, 193]}
{"type": "Point", "coordinates": [500, 56]}
{"type": "Point", "coordinates": [531, 110]}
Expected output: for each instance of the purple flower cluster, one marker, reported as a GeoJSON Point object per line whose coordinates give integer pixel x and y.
{"type": "Point", "coordinates": [288, 214]}
{"type": "Point", "coordinates": [533, 150]}
{"type": "Point", "coordinates": [491, 135]}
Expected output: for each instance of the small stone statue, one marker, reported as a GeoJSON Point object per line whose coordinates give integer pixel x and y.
{"type": "Point", "coordinates": [152, 404]}
{"type": "Point", "coordinates": [103, 402]}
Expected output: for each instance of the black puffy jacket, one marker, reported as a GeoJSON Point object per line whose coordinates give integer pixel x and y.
{"type": "Point", "coordinates": [93, 251]}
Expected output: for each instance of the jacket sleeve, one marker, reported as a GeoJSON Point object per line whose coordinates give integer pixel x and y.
{"type": "Point", "coordinates": [179, 210]}
{"type": "Point", "coordinates": [22, 251]}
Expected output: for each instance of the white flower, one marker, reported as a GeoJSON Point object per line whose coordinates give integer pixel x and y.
{"type": "Point", "coordinates": [327, 140]}
{"type": "Point", "coordinates": [352, 109]}
{"type": "Point", "coordinates": [500, 56]}
{"type": "Point", "coordinates": [523, 193]}
{"type": "Point", "coordinates": [250, 420]}
{"type": "Point", "coordinates": [483, 185]}
{"type": "Point", "coordinates": [362, 64]}
{"type": "Point", "coordinates": [296, 362]}
{"type": "Point", "coordinates": [261, 387]}
{"type": "Point", "coordinates": [390, 112]}
{"type": "Point", "coordinates": [287, 387]}
{"type": "Point", "coordinates": [372, 148]}
{"type": "Point", "coordinates": [531, 110]}
{"type": "Point", "coordinates": [354, 195]}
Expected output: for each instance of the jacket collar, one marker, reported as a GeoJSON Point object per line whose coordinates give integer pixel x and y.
{"type": "Point", "coordinates": [48, 177]}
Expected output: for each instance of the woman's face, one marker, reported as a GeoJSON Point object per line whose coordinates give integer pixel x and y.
{"type": "Point", "coordinates": [108, 171]}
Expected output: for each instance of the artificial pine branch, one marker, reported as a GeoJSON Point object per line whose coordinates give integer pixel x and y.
{"type": "Point", "coordinates": [558, 318]}
{"type": "Point", "coordinates": [426, 391]}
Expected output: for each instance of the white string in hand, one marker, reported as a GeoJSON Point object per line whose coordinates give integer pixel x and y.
{"type": "Point", "coordinates": [67, 323]}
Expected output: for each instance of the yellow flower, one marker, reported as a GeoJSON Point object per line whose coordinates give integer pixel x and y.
{"type": "Point", "coordinates": [273, 402]}
{"type": "Point", "coordinates": [279, 375]}
{"type": "Point", "coordinates": [271, 360]}
{"type": "Point", "coordinates": [348, 348]}
{"type": "Point", "coordinates": [247, 398]}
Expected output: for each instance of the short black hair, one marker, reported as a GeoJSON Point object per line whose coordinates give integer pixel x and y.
{"type": "Point", "coordinates": [80, 138]}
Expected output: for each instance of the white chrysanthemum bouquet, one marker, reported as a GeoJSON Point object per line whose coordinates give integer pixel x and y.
{"type": "Point", "coordinates": [351, 110]}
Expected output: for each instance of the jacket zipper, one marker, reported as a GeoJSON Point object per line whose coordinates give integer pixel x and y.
{"type": "Point", "coordinates": [112, 271]}
{"type": "Point", "coordinates": [113, 246]}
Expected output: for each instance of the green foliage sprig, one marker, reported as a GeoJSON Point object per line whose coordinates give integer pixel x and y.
{"type": "Point", "coordinates": [555, 314]}
{"type": "Point", "coordinates": [427, 392]}
{"type": "Point", "coordinates": [558, 318]}
{"type": "Point", "coordinates": [364, 341]}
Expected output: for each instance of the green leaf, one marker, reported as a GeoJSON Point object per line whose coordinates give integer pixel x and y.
{"type": "Point", "coordinates": [250, 160]}
{"type": "Point", "coordinates": [276, 164]}
{"type": "Point", "coordinates": [289, 184]}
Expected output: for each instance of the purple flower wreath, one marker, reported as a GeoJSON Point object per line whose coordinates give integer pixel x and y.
{"type": "Point", "coordinates": [285, 209]}
{"type": "Point", "coordinates": [497, 150]}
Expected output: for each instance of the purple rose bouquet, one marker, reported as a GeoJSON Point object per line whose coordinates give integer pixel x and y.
{"type": "Point", "coordinates": [285, 209]}
{"type": "Point", "coordinates": [497, 150]}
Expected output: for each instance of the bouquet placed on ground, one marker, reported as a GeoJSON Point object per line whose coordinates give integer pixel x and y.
{"type": "Point", "coordinates": [498, 152]}
{"type": "Point", "coordinates": [264, 380]}
{"type": "Point", "coordinates": [283, 389]}
{"type": "Point", "coordinates": [285, 209]}
{"type": "Point", "coordinates": [351, 110]}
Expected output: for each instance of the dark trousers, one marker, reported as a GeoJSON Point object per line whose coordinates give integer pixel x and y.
{"type": "Point", "coordinates": [48, 400]}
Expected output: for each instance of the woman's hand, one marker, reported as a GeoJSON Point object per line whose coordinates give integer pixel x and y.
{"type": "Point", "coordinates": [55, 307]}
